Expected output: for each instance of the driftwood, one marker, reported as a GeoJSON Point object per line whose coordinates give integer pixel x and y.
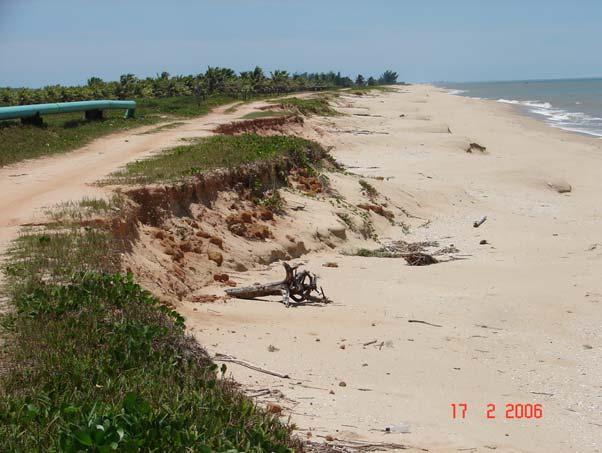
{"type": "Point", "coordinates": [226, 358]}
{"type": "Point", "coordinates": [419, 259]}
{"type": "Point", "coordinates": [478, 223]}
{"type": "Point", "coordinates": [475, 147]}
{"type": "Point", "coordinates": [424, 322]}
{"type": "Point", "coordinates": [297, 285]}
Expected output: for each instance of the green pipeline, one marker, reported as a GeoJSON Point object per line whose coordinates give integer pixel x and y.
{"type": "Point", "coordinates": [37, 110]}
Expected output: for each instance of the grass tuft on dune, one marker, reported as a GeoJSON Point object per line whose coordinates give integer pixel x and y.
{"type": "Point", "coordinates": [308, 106]}
{"type": "Point", "coordinates": [219, 151]}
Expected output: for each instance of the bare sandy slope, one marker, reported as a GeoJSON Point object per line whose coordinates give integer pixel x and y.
{"type": "Point", "coordinates": [30, 186]}
{"type": "Point", "coordinates": [517, 321]}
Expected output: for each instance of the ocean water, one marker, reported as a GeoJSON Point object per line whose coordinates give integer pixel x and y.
{"type": "Point", "coordinates": [572, 104]}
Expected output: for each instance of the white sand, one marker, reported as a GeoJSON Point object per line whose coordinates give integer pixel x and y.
{"type": "Point", "coordinates": [520, 317]}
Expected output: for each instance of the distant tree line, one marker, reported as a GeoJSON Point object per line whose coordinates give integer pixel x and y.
{"type": "Point", "coordinates": [213, 81]}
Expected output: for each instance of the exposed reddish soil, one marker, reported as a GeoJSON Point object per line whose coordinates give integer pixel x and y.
{"type": "Point", "coordinates": [280, 124]}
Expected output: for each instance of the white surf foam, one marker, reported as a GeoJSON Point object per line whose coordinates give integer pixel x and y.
{"type": "Point", "coordinates": [456, 92]}
{"type": "Point", "coordinates": [563, 119]}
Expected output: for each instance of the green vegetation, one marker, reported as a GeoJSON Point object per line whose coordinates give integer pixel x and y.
{"type": "Point", "coordinates": [72, 212]}
{"type": "Point", "coordinates": [95, 363]}
{"type": "Point", "coordinates": [164, 95]}
{"type": "Point", "coordinates": [209, 153]}
{"type": "Point", "coordinates": [164, 127]}
{"type": "Point", "coordinates": [361, 90]}
{"type": "Point", "coordinates": [377, 253]}
{"type": "Point", "coordinates": [308, 106]}
{"type": "Point", "coordinates": [181, 106]}
{"type": "Point", "coordinates": [273, 200]}
{"type": "Point", "coordinates": [213, 81]}
{"type": "Point", "coordinates": [69, 131]}
{"type": "Point", "coordinates": [266, 114]}
{"type": "Point", "coordinates": [368, 189]}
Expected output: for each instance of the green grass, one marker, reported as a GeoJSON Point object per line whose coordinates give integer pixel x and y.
{"type": "Point", "coordinates": [95, 363]}
{"type": "Point", "coordinates": [184, 106]}
{"type": "Point", "coordinates": [377, 253]}
{"type": "Point", "coordinates": [308, 106]}
{"type": "Point", "coordinates": [368, 189]}
{"type": "Point", "coordinates": [65, 132]}
{"type": "Point", "coordinates": [266, 114]}
{"type": "Point", "coordinates": [87, 208]}
{"type": "Point", "coordinates": [209, 153]}
{"type": "Point", "coordinates": [365, 90]}
{"type": "Point", "coordinates": [163, 127]}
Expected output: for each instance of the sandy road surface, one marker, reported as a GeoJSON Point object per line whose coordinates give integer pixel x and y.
{"type": "Point", "coordinates": [28, 187]}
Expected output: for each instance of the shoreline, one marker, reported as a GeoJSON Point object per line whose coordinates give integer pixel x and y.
{"type": "Point", "coordinates": [513, 317]}
{"type": "Point", "coordinates": [522, 107]}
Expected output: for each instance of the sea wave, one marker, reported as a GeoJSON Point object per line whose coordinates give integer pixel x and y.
{"type": "Point", "coordinates": [537, 104]}
{"type": "Point", "coordinates": [563, 119]}
{"type": "Point", "coordinates": [453, 91]}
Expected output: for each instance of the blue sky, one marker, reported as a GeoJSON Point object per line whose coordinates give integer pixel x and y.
{"type": "Point", "coordinates": [67, 41]}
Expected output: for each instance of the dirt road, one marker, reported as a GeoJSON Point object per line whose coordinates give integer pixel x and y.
{"type": "Point", "coordinates": [30, 187]}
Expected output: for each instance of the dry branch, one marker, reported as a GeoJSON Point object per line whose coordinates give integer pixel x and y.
{"type": "Point", "coordinates": [226, 358]}
{"type": "Point", "coordinates": [299, 286]}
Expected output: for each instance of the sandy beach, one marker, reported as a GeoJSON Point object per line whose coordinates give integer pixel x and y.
{"type": "Point", "coordinates": [514, 321]}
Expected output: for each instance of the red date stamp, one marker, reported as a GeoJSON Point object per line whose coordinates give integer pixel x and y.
{"type": "Point", "coordinates": [510, 411]}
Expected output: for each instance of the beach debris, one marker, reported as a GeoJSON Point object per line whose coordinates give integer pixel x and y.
{"type": "Point", "coordinates": [483, 242]}
{"type": "Point", "coordinates": [481, 221]}
{"type": "Point", "coordinates": [560, 186]}
{"type": "Point", "coordinates": [300, 286]}
{"type": "Point", "coordinates": [272, 348]}
{"type": "Point", "coordinates": [398, 249]}
{"type": "Point", "coordinates": [419, 259]}
{"type": "Point", "coordinates": [424, 322]}
{"type": "Point", "coordinates": [370, 342]}
{"type": "Point", "coordinates": [342, 384]}
{"type": "Point", "coordinates": [475, 147]}
{"type": "Point", "coordinates": [402, 428]}
{"type": "Point", "coordinates": [354, 445]}
{"type": "Point", "coordinates": [204, 298]}
{"type": "Point", "coordinates": [484, 326]}
{"type": "Point", "coordinates": [330, 264]}
{"type": "Point", "coordinates": [226, 358]}
{"type": "Point", "coordinates": [542, 393]}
